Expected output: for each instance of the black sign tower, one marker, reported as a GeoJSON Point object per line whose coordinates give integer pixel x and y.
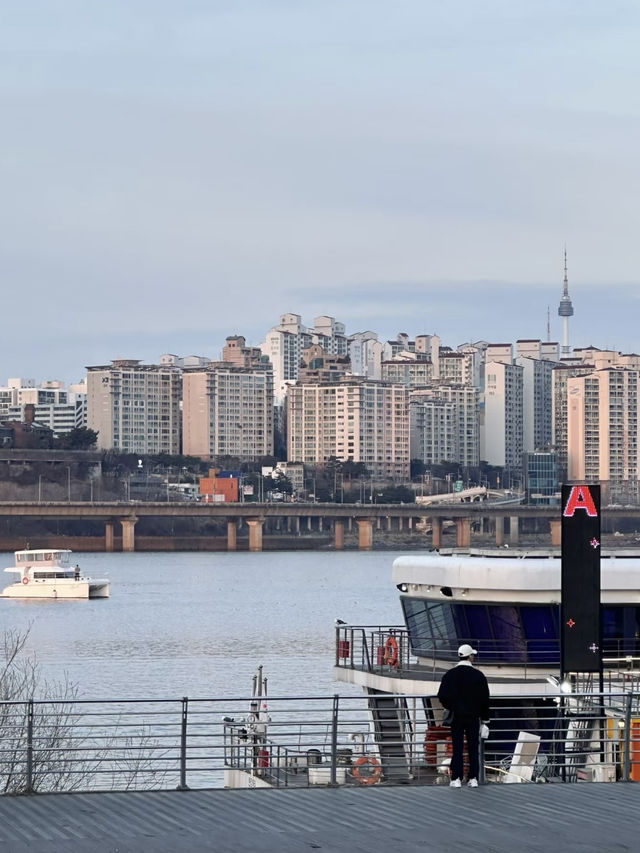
{"type": "Point", "coordinates": [581, 622]}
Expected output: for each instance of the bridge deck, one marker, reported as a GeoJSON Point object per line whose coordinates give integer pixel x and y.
{"type": "Point", "coordinates": [496, 818]}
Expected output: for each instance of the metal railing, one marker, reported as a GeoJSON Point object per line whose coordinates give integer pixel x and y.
{"type": "Point", "coordinates": [385, 739]}
{"type": "Point", "coordinates": [388, 651]}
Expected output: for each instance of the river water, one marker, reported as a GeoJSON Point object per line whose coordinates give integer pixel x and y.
{"type": "Point", "coordinates": [199, 624]}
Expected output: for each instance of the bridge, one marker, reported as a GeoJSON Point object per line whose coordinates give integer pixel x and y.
{"type": "Point", "coordinates": [326, 516]}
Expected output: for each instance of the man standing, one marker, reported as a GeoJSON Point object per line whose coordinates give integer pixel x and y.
{"type": "Point", "coordinates": [464, 691]}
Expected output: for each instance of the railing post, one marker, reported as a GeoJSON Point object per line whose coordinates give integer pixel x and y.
{"type": "Point", "coordinates": [29, 780]}
{"type": "Point", "coordinates": [334, 741]}
{"type": "Point", "coordinates": [626, 766]}
{"type": "Point", "coordinates": [183, 745]}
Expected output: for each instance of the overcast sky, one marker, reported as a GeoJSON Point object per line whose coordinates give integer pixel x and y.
{"type": "Point", "coordinates": [174, 171]}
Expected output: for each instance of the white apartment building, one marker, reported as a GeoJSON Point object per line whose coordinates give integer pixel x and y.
{"type": "Point", "coordinates": [603, 438]}
{"type": "Point", "coordinates": [365, 354]}
{"type": "Point", "coordinates": [537, 392]}
{"type": "Point", "coordinates": [408, 369]}
{"type": "Point", "coordinates": [227, 410]}
{"type": "Point", "coordinates": [444, 425]}
{"type": "Point", "coordinates": [284, 343]}
{"type": "Point", "coordinates": [56, 407]}
{"type": "Point", "coordinates": [360, 420]}
{"type": "Point", "coordinates": [458, 368]}
{"type": "Point", "coordinates": [135, 407]}
{"type": "Point", "coordinates": [501, 432]}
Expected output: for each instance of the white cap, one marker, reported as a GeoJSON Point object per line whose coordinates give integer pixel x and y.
{"type": "Point", "coordinates": [465, 650]}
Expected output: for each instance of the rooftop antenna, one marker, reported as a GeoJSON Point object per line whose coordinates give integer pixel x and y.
{"type": "Point", "coordinates": [565, 310]}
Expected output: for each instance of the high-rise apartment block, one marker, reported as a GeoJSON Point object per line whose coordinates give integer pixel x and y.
{"type": "Point", "coordinates": [284, 343]}
{"type": "Point", "coordinates": [135, 407]}
{"type": "Point", "coordinates": [537, 375]}
{"type": "Point", "coordinates": [227, 409]}
{"type": "Point", "coordinates": [365, 354]}
{"type": "Point", "coordinates": [444, 425]}
{"type": "Point", "coordinates": [55, 406]}
{"type": "Point", "coordinates": [502, 430]}
{"type": "Point", "coordinates": [603, 437]}
{"type": "Point", "coordinates": [408, 369]}
{"type": "Point", "coordinates": [360, 420]}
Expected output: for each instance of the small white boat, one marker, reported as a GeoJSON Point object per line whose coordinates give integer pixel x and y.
{"type": "Point", "coordinates": [47, 573]}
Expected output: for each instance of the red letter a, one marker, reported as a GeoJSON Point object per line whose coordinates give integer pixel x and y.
{"type": "Point", "coordinates": [580, 498]}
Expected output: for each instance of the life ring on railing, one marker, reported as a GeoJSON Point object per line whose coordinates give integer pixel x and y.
{"type": "Point", "coordinates": [25, 580]}
{"type": "Point", "coordinates": [367, 770]}
{"type": "Point", "coordinates": [391, 651]}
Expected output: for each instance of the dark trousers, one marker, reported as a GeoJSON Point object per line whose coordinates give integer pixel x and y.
{"type": "Point", "coordinates": [470, 727]}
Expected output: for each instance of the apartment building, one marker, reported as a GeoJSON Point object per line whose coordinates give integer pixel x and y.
{"type": "Point", "coordinates": [227, 410]}
{"type": "Point", "coordinates": [603, 437]}
{"type": "Point", "coordinates": [561, 375]}
{"type": "Point", "coordinates": [537, 393]}
{"type": "Point", "coordinates": [57, 407]}
{"type": "Point", "coordinates": [501, 433]}
{"type": "Point", "coordinates": [365, 354]}
{"type": "Point", "coordinates": [135, 407]}
{"type": "Point", "coordinates": [411, 369]}
{"type": "Point", "coordinates": [364, 421]}
{"type": "Point", "coordinates": [458, 368]}
{"type": "Point", "coordinates": [444, 425]}
{"type": "Point", "coordinates": [284, 343]}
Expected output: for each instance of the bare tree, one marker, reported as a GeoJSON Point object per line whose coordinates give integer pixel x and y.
{"type": "Point", "coordinates": [48, 745]}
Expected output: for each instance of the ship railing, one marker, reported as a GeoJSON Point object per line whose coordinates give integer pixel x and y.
{"type": "Point", "coordinates": [382, 738]}
{"type": "Point", "coordinates": [388, 651]}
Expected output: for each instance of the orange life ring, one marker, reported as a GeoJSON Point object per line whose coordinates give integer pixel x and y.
{"type": "Point", "coordinates": [25, 580]}
{"type": "Point", "coordinates": [367, 770]}
{"type": "Point", "coordinates": [391, 651]}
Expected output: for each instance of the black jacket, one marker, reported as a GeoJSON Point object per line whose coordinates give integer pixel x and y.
{"type": "Point", "coordinates": [464, 690]}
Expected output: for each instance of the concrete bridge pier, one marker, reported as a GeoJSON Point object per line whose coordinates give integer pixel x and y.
{"type": "Point", "coordinates": [338, 534]}
{"type": "Point", "coordinates": [365, 533]}
{"type": "Point", "coordinates": [514, 529]}
{"type": "Point", "coordinates": [232, 535]}
{"type": "Point", "coordinates": [108, 537]}
{"type": "Point", "coordinates": [555, 525]}
{"type": "Point", "coordinates": [463, 532]}
{"type": "Point", "coordinates": [128, 533]}
{"type": "Point", "coordinates": [436, 532]}
{"type": "Point", "coordinates": [499, 531]}
{"type": "Point", "coordinates": [255, 533]}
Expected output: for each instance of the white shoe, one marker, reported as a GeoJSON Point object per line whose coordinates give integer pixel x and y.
{"type": "Point", "coordinates": [455, 783]}
{"type": "Point", "coordinates": [472, 783]}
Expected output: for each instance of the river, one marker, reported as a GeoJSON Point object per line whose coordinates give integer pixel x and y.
{"type": "Point", "coordinates": [199, 624]}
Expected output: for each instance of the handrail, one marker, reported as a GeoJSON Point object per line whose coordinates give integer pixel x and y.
{"type": "Point", "coordinates": [184, 743]}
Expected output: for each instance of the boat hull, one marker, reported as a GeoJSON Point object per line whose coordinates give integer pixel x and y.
{"type": "Point", "coordinates": [61, 588]}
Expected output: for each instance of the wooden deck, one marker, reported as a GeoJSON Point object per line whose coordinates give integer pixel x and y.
{"type": "Point", "coordinates": [491, 819]}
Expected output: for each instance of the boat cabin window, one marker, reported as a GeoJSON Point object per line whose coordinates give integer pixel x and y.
{"type": "Point", "coordinates": [49, 575]}
{"type": "Point", "coordinates": [509, 633]}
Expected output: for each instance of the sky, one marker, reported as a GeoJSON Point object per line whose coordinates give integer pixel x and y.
{"type": "Point", "coordinates": [176, 171]}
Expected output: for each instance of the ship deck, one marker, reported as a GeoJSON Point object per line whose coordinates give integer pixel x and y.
{"type": "Point", "coordinates": [499, 818]}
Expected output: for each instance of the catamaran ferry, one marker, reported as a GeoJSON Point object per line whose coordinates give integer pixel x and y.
{"type": "Point", "coordinates": [47, 573]}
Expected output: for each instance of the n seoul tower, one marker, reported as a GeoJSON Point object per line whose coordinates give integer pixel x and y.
{"type": "Point", "coordinates": [565, 310]}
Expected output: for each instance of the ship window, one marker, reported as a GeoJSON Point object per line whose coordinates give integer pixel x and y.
{"type": "Point", "coordinates": [621, 630]}
{"type": "Point", "coordinates": [477, 619]}
{"type": "Point", "coordinates": [49, 575]}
